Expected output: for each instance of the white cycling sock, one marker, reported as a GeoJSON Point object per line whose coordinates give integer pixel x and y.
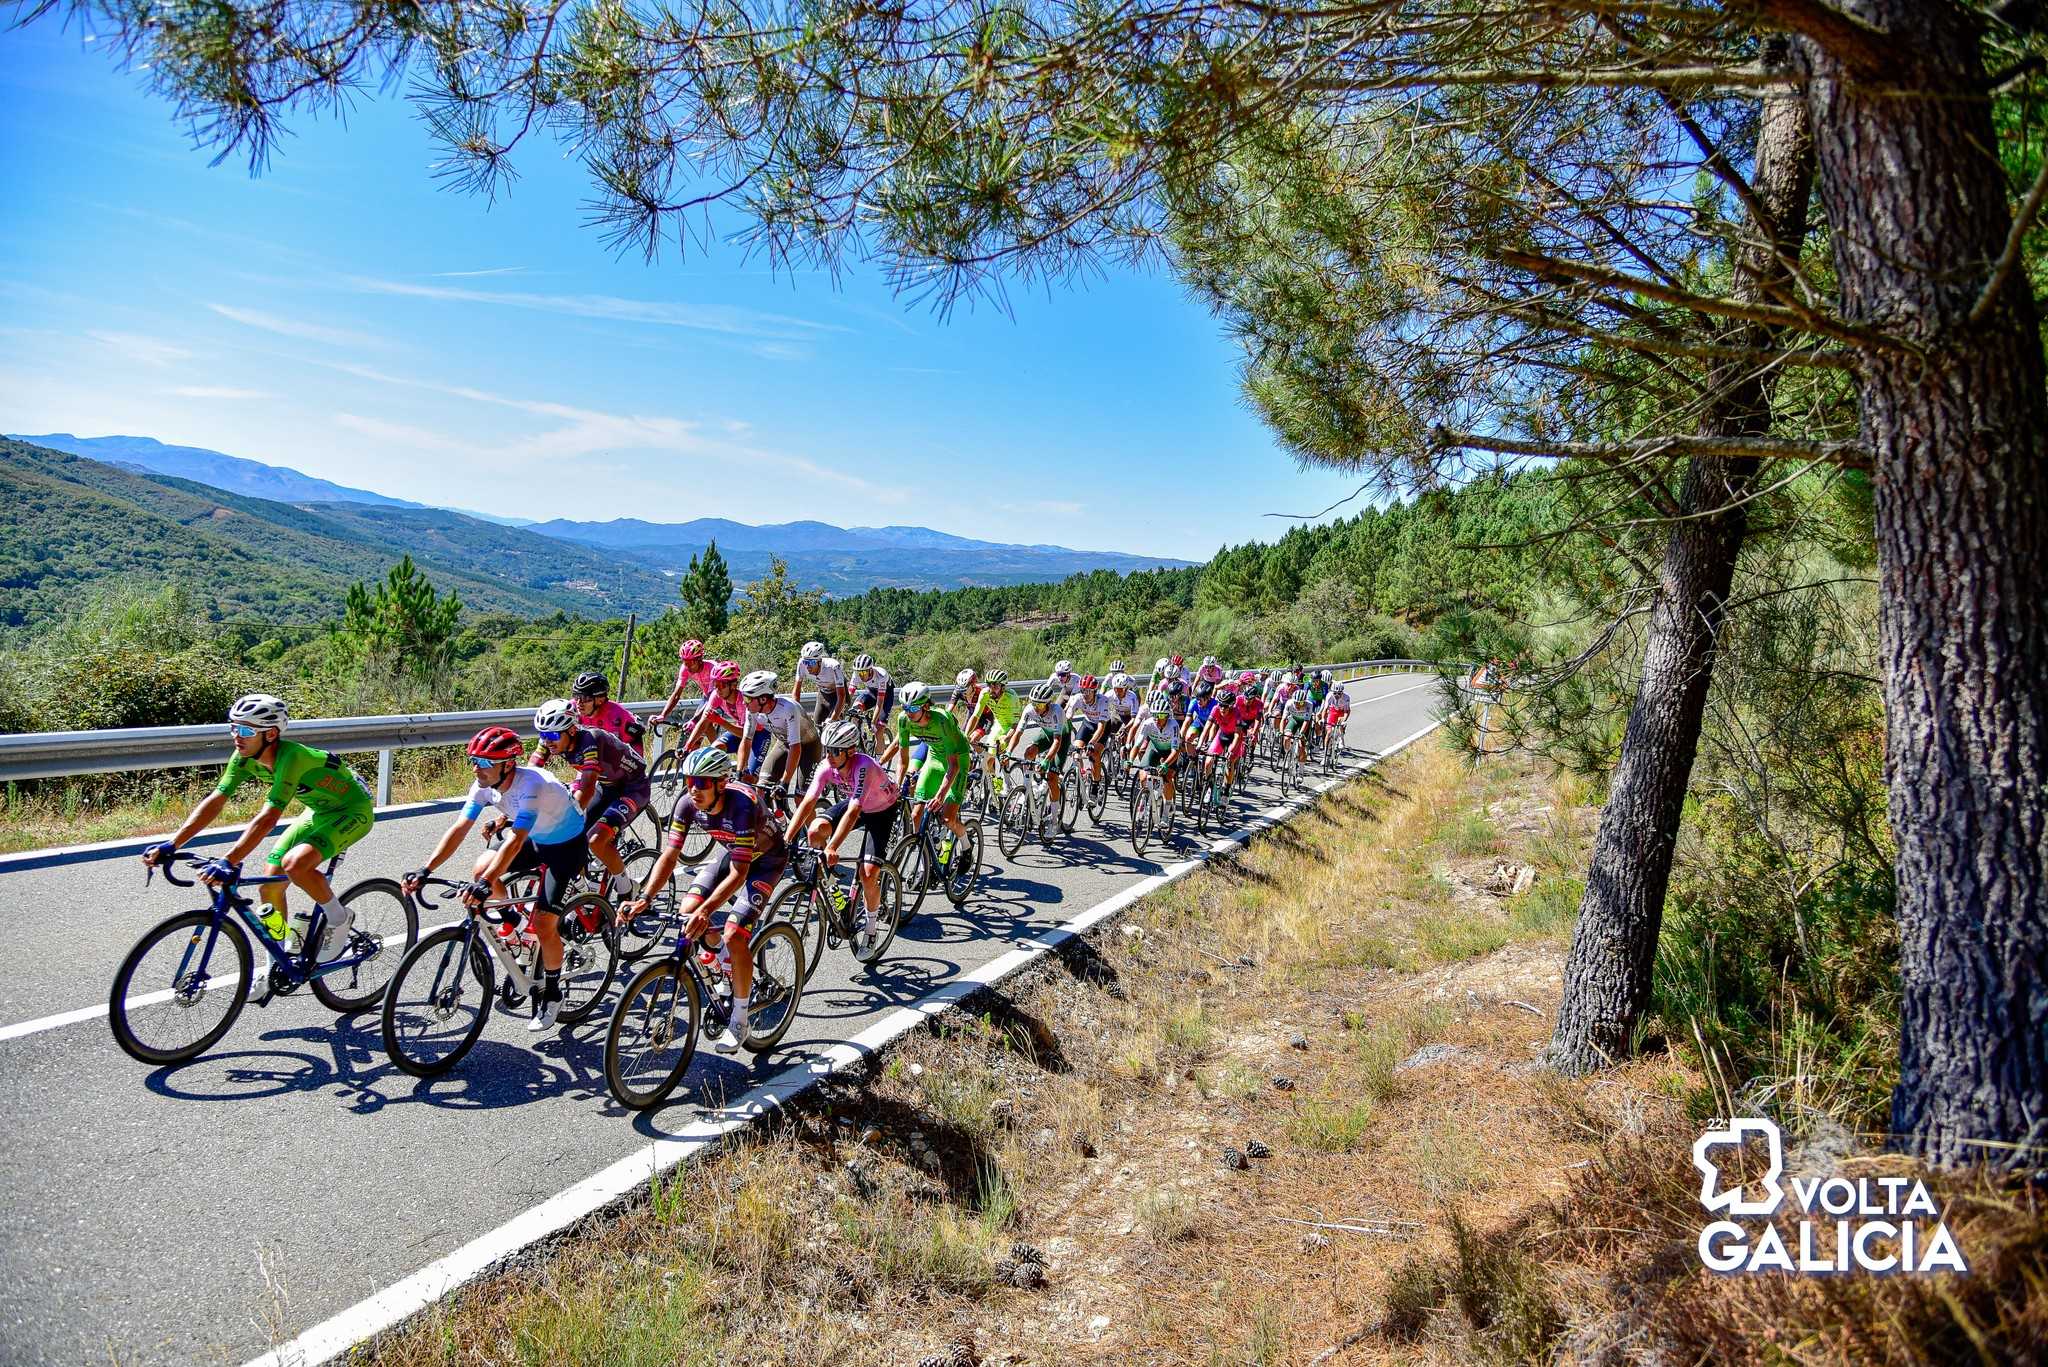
{"type": "Point", "coordinates": [623, 885]}
{"type": "Point", "coordinates": [739, 1014]}
{"type": "Point", "coordinates": [335, 910]}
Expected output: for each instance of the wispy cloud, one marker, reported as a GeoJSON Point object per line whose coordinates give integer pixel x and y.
{"type": "Point", "coordinates": [143, 350]}
{"type": "Point", "coordinates": [585, 431]}
{"type": "Point", "coordinates": [296, 327]}
{"type": "Point", "coordinates": [465, 275]}
{"type": "Point", "coordinates": [735, 322]}
{"type": "Point", "coordinates": [216, 391]}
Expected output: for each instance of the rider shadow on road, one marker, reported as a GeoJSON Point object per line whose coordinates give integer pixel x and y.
{"type": "Point", "coordinates": [896, 981]}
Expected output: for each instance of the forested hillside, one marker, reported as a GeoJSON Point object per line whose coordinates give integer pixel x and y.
{"type": "Point", "coordinates": [69, 524]}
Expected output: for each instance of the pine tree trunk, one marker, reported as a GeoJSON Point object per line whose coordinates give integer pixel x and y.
{"type": "Point", "coordinates": [1608, 974]}
{"type": "Point", "coordinates": [1958, 429]}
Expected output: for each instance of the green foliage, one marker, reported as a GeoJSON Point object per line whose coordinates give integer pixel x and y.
{"type": "Point", "coordinates": [706, 591]}
{"type": "Point", "coordinates": [126, 658]}
{"type": "Point", "coordinates": [404, 622]}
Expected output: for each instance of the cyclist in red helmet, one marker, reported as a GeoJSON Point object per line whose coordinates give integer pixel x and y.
{"type": "Point", "coordinates": [546, 833]}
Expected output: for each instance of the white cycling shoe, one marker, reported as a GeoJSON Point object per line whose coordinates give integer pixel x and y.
{"type": "Point", "coordinates": [727, 1041]}
{"type": "Point", "coordinates": [334, 939]}
{"type": "Point", "coordinates": [544, 1014]}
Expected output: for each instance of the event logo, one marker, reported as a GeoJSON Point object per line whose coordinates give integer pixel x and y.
{"type": "Point", "coordinates": [1879, 1224]}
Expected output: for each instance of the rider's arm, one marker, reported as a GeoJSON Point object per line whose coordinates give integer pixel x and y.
{"type": "Point", "coordinates": [793, 742]}
{"type": "Point", "coordinates": [675, 695]}
{"type": "Point", "coordinates": [451, 840]}
{"type": "Point", "coordinates": [252, 835]}
{"type": "Point", "coordinates": [507, 852]}
{"type": "Point", "coordinates": [202, 816]}
{"type": "Point", "coordinates": [848, 819]}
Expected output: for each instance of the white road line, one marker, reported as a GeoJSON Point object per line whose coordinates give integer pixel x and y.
{"type": "Point", "coordinates": [398, 1302]}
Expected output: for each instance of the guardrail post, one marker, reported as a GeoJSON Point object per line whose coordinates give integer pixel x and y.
{"type": "Point", "coordinates": [383, 778]}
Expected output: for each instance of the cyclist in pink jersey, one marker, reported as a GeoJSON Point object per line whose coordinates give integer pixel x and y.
{"type": "Point", "coordinates": [868, 804]}
{"type": "Point", "coordinates": [596, 710]}
{"type": "Point", "coordinates": [694, 667]}
{"type": "Point", "coordinates": [724, 717]}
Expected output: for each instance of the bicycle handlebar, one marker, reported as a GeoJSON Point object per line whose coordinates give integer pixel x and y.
{"type": "Point", "coordinates": [171, 861]}
{"type": "Point", "coordinates": [492, 915]}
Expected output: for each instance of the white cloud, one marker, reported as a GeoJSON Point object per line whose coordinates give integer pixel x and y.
{"type": "Point", "coordinates": [216, 391]}
{"type": "Point", "coordinates": [295, 327]}
{"type": "Point", "coordinates": [464, 275]}
{"type": "Point", "coordinates": [142, 350]}
{"type": "Point", "coordinates": [703, 318]}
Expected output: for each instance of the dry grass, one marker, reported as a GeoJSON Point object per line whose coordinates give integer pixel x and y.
{"type": "Point", "coordinates": [1425, 1195]}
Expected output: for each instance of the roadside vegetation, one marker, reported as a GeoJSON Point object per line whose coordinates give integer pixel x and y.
{"type": "Point", "coordinates": [1288, 1111]}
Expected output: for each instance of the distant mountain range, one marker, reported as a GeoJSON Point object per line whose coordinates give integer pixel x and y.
{"type": "Point", "coordinates": [272, 543]}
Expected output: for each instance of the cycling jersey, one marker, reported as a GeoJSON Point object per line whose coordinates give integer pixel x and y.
{"type": "Point", "coordinates": [785, 720]}
{"type": "Point", "coordinates": [742, 827]}
{"type": "Point", "coordinates": [864, 782]}
{"type": "Point", "coordinates": [966, 702]}
{"type": "Point", "coordinates": [699, 674]}
{"type": "Point", "coordinates": [302, 774]}
{"type": "Point", "coordinates": [1160, 739]}
{"type": "Point", "coordinates": [1223, 716]}
{"type": "Point", "coordinates": [1198, 714]}
{"type": "Point", "coordinates": [1081, 708]}
{"type": "Point", "coordinates": [599, 758]}
{"type": "Point", "coordinates": [1050, 717]}
{"type": "Point", "coordinates": [1125, 703]}
{"type": "Point", "coordinates": [612, 717]}
{"type": "Point", "coordinates": [1000, 708]}
{"type": "Point", "coordinates": [876, 678]}
{"type": "Point", "coordinates": [733, 709]}
{"type": "Point", "coordinates": [1069, 683]}
{"type": "Point", "coordinates": [536, 803]}
{"type": "Point", "coordinates": [940, 730]}
{"type": "Point", "coordinates": [823, 674]}
{"type": "Point", "coordinates": [1249, 709]}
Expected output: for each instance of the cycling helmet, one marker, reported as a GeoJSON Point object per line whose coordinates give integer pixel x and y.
{"type": "Point", "coordinates": [1063, 668]}
{"type": "Point", "coordinates": [556, 714]}
{"type": "Point", "coordinates": [1324, 676]}
{"type": "Point", "coordinates": [813, 650]}
{"type": "Point", "coordinates": [1226, 692]}
{"type": "Point", "coordinates": [916, 693]}
{"type": "Point", "coordinates": [1208, 660]}
{"type": "Point", "coordinates": [1160, 667]}
{"type": "Point", "coordinates": [1116, 666]}
{"type": "Point", "coordinates": [1177, 660]}
{"type": "Point", "coordinates": [963, 679]}
{"type": "Point", "coordinates": [692, 649]}
{"type": "Point", "coordinates": [725, 671]}
{"type": "Point", "coordinates": [1089, 683]}
{"type": "Point", "coordinates": [1290, 679]}
{"type": "Point", "coordinates": [1162, 706]}
{"type": "Point", "coordinates": [1204, 688]}
{"type": "Point", "coordinates": [1176, 687]}
{"type": "Point", "coordinates": [999, 676]}
{"type": "Point", "coordinates": [1045, 692]}
{"type": "Point", "coordinates": [707, 761]}
{"type": "Point", "coordinates": [840, 735]}
{"type": "Point", "coordinates": [863, 662]}
{"type": "Point", "coordinates": [262, 710]}
{"type": "Point", "coordinates": [590, 684]}
{"type": "Point", "coordinates": [759, 684]}
{"type": "Point", "coordinates": [1119, 680]}
{"type": "Point", "coordinates": [1247, 677]}
{"type": "Point", "coordinates": [496, 742]}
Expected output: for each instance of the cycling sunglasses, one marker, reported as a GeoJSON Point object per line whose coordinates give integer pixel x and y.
{"type": "Point", "coordinates": [236, 728]}
{"type": "Point", "coordinates": [551, 736]}
{"type": "Point", "coordinates": [482, 763]}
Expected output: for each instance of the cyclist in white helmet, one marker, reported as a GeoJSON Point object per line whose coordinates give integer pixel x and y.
{"type": "Point", "coordinates": [338, 813]}
{"type": "Point", "coordinates": [826, 678]}
{"type": "Point", "coordinates": [869, 675]}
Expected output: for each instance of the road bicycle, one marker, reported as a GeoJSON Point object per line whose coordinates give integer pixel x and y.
{"type": "Point", "coordinates": [1090, 795]}
{"type": "Point", "coordinates": [1212, 808]}
{"type": "Point", "coordinates": [1151, 814]}
{"type": "Point", "coordinates": [442, 994]}
{"type": "Point", "coordinates": [1026, 803]}
{"type": "Point", "coordinates": [173, 996]}
{"type": "Point", "coordinates": [653, 1034]}
{"type": "Point", "coordinates": [1334, 751]}
{"type": "Point", "coordinates": [929, 855]}
{"type": "Point", "coordinates": [823, 910]}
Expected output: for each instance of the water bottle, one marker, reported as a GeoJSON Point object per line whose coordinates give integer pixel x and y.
{"type": "Point", "coordinates": [299, 930]}
{"type": "Point", "coordinates": [274, 923]}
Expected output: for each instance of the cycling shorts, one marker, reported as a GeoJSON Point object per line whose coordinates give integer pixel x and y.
{"type": "Point", "coordinates": [559, 864]}
{"type": "Point", "coordinates": [1221, 742]}
{"type": "Point", "coordinates": [823, 705]}
{"type": "Point", "coordinates": [328, 832]}
{"type": "Point", "coordinates": [752, 896]}
{"type": "Point", "coordinates": [1296, 725]}
{"type": "Point", "coordinates": [931, 780]}
{"type": "Point", "coordinates": [615, 806]}
{"type": "Point", "coordinates": [876, 827]}
{"type": "Point", "coordinates": [1088, 734]}
{"type": "Point", "coordinates": [1154, 757]}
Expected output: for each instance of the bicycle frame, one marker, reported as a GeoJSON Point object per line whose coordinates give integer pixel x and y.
{"type": "Point", "coordinates": [298, 966]}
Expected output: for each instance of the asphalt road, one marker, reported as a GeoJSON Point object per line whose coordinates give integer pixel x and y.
{"type": "Point", "coordinates": [205, 1212]}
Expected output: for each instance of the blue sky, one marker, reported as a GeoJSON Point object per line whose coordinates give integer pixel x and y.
{"type": "Point", "coordinates": [343, 315]}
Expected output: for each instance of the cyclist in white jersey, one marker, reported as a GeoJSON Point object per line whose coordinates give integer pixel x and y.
{"type": "Point", "coordinates": [827, 680]}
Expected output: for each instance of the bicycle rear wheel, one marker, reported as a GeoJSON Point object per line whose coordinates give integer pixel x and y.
{"type": "Point", "coordinates": [1141, 818]}
{"type": "Point", "coordinates": [888, 912]}
{"type": "Point", "coordinates": [438, 1002]}
{"type": "Point", "coordinates": [173, 996]}
{"type": "Point", "coordinates": [964, 870]}
{"type": "Point", "coordinates": [386, 925]}
{"type": "Point", "coordinates": [1012, 819]}
{"type": "Point", "coordinates": [912, 859]}
{"type": "Point", "coordinates": [653, 1035]}
{"type": "Point", "coordinates": [588, 960]}
{"type": "Point", "coordinates": [635, 937]}
{"type": "Point", "coordinates": [779, 974]}
{"type": "Point", "coordinates": [802, 907]}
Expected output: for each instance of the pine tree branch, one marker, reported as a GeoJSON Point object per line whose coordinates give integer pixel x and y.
{"type": "Point", "coordinates": [1699, 351]}
{"type": "Point", "coordinates": [1863, 49]}
{"type": "Point", "coordinates": [1844, 453]}
{"type": "Point", "coordinates": [2009, 259]}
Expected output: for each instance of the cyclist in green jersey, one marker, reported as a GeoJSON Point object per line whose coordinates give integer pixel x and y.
{"type": "Point", "coordinates": [947, 754]}
{"type": "Point", "coordinates": [339, 812]}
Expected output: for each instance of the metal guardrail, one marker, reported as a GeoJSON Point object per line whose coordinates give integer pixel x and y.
{"type": "Point", "coordinates": [66, 754]}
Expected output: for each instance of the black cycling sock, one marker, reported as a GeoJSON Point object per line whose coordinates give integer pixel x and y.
{"type": "Point", "coordinates": [551, 984]}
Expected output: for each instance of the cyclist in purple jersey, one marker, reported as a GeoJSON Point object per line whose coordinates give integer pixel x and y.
{"type": "Point", "coordinates": [610, 786]}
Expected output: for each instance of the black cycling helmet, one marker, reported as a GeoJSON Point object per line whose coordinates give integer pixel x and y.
{"type": "Point", "coordinates": [590, 684]}
{"type": "Point", "coordinates": [1204, 688]}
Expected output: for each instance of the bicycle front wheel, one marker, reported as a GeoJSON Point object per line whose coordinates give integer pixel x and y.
{"type": "Point", "coordinates": [887, 913]}
{"type": "Point", "coordinates": [180, 988]}
{"type": "Point", "coordinates": [588, 961]}
{"type": "Point", "coordinates": [802, 907]}
{"type": "Point", "coordinates": [778, 986]}
{"type": "Point", "coordinates": [653, 1035]}
{"type": "Point", "coordinates": [1141, 819]}
{"type": "Point", "coordinates": [386, 925]}
{"type": "Point", "coordinates": [1012, 819]}
{"type": "Point", "coordinates": [440, 998]}
{"type": "Point", "coordinates": [912, 858]}
{"type": "Point", "coordinates": [963, 871]}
